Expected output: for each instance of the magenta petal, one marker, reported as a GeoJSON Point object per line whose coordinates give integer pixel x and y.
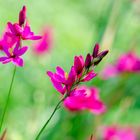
{"type": "Point", "coordinates": [7, 61]}
{"type": "Point", "coordinates": [21, 51]}
{"type": "Point", "coordinates": [3, 58]}
{"type": "Point", "coordinates": [35, 37]}
{"type": "Point", "coordinates": [89, 76]}
{"type": "Point", "coordinates": [58, 86]}
{"type": "Point", "coordinates": [72, 76]}
{"type": "Point", "coordinates": [26, 30]}
{"type": "Point", "coordinates": [5, 49]}
{"type": "Point", "coordinates": [18, 61]}
{"type": "Point", "coordinates": [56, 83]}
{"type": "Point", "coordinates": [50, 74]}
{"type": "Point", "coordinates": [10, 25]}
{"type": "Point", "coordinates": [60, 71]}
{"type": "Point", "coordinates": [18, 28]}
{"type": "Point", "coordinates": [98, 107]}
{"type": "Point", "coordinates": [59, 78]}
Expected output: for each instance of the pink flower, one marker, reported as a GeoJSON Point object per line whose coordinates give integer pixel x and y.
{"type": "Point", "coordinates": [128, 62]}
{"type": "Point", "coordinates": [109, 71]}
{"type": "Point", "coordinates": [25, 33]}
{"type": "Point", "coordinates": [114, 133]}
{"type": "Point", "coordinates": [13, 55]}
{"type": "Point", "coordinates": [6, 40]}
{"type": "Point", "coordinates": [45, 43]}
{"type": "Point", "coordinates": [19, 30]}
{"type": "Point", "coordinates": [58, 79]}
{"type": "Point", "coordinates": [61, 80]}
{"type": "Point", "coordinates": [84, 98]}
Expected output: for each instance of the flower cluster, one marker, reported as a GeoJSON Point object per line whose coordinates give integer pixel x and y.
{"type": "Point", "coordinates": [114, 133]}
{"type": "Point", "coordinates": [79, 98]}
{"type": "Point", "coordinates": [128, 62]}
{"type": "Point", "coordinates": [10, 42]}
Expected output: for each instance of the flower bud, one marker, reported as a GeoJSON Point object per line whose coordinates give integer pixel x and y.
{"type": "Point", "coordinates": [22, 16]}
{"type": "Point", "coordinates": [88, 61]}
{"type": "Point", "coordinates": [100, 56]}
{"type": "Point", "coordinates": [95, 51]}
{"type": "Point", "coordinates": [103, 53]}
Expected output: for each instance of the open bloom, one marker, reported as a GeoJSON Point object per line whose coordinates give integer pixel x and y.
{"type": "Point", "coordinates": [85, 98]}
{"type": "Point", "coordinates": [25, 33]}
{"type": "Point", "coordinates": [61, 80]}
{"type": "Point", "coordinates": [114, 133]}
{"type": "Point", "coordinates": [13, 55]}
{"type": "Point", "coordinates": [45, 43]}
{"type": "Point", "coordinates": [6, 40]}
{"type": "Point", "coordinates": [128, 62]}
{"type": "Point", "coordinates": [19, 30]}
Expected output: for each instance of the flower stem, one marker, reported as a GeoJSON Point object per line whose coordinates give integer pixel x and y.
{"type": "Point", "coordinates": [55, 109]}
{"type": "Point", "coordinates": [7, 100]}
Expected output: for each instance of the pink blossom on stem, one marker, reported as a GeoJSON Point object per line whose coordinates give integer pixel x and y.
{"type": "Point", "coordinates": [114, 133]}
{"type": "Point", "coordinates": [19, 30]}
{"type": "Point", "coordinates": [79, 98]}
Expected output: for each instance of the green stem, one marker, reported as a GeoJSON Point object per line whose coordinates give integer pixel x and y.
{"type": "Point", "coordinates": [7, 100]}
{"type": "Point", "coordinates": [55, 109]}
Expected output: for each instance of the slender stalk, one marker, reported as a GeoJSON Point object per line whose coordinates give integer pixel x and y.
{"type": "Point", "coordinates": [7, 100]}
{"type": "Point", "coordinates": [55, 109]}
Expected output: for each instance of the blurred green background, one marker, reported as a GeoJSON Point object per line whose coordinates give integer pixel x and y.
{"type": "Point", "coordinates": [77, 25]}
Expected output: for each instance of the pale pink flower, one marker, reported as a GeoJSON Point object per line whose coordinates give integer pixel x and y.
{"type": "Point", "coordinates": [126, 63]}
{"type": "Point", "coordinates": [45, 43]}
{"type": "Point", "coordinates": [114, 133]}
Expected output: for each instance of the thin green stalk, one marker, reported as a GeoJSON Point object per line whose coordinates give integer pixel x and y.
{"type": "Point", "coordinates": [55, 109]}
{"type": "Point", "coordinates": [7, 100]}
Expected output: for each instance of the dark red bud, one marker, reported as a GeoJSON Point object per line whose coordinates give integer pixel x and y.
{"type": "Point", "coordinates": [22, 16]}
{"type": "Point", "coordinates": [100, 56]}
{"type": "Point", "coordinates": [95, 51]}
{"type": "Point", "coordinates": [88, 61]}
{"type": "Point", "coordinates": [103, 53]}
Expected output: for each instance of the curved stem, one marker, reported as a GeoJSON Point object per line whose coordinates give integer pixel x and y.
{"type": "Point", "coordinates": [55, 109]}
{"type": "Point", "coordinates": [7, 100]}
